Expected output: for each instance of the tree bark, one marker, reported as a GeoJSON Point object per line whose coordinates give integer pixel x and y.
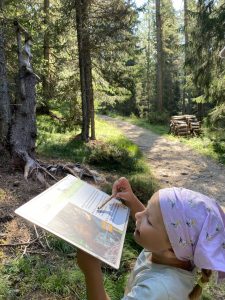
{"type": "Point", "coordinates": [5, 114]}
{"type": "Point", "coordinates": [85, 66]}
{"type": "Point", "coordinates": [23, 131]}
{"type": "Point", "coordinates": [185, 53]}
{"type": "Point", "coordinates": [148, 85]}
{"type": "Point", "coordinates": [45, 77]}
{"type": "Point", "coordinates": [159, 82]}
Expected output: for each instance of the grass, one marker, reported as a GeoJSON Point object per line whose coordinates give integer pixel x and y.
{"type": "Point", "coordinates": [26, 275]}
{"type": "Point", "coordinates": [156, 128]}
{"type": "Point", "coordinates": [203, 144]}
{"type": "Point", "coordinates": [55, 144]}
{"type": "Point", "coordinates": [57, 274]}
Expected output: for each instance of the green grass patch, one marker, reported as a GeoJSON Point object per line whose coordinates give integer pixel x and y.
{"type": "Point", "coordinates": [144, 123]}
{"type": "Point", "coordinates": [112, 151]}
{"type": "Point", "coordinates": [58, 276]}
{"type": "Point", "coordinates": [118, 154]}
{"type": "Point", "coordinates": [203, 144]}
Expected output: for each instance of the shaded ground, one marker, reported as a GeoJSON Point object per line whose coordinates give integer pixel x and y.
{"type": "Point", "coordinates": [175, 164]}
{"type": "Point", "coordinates": [171, 162]}
{"type": "Point", "coordinates": [15, 191]}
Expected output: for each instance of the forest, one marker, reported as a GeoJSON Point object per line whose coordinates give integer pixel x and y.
{"type": "Point", "coordinates": [72, 59]}
{"type": "Point", "coordinates": [64, 65]}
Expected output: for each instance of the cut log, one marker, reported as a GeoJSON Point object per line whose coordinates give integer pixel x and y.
{"type": "Point", "coordinates": [185, 125]}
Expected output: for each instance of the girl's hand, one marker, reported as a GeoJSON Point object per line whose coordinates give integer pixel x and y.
{"type": "Point", "coordinates": [122, 189]}
{"type": "Point", "coordinates": [91, 267]}
{"type": "Point", "coordinates": [87, 263]}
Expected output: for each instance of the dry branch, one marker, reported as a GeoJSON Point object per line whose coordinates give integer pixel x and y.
{"type": "Point", "coordinates": [19, 244]}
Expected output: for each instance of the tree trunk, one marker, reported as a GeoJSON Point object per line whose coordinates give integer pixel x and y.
{"type": "Point", "coordinates": [85, 66]}
{"type": "Point", "coordinates": [185, 53]}
{"type": "Point", "coordinates": [45, 77]}
{"type": "Point", "coordinates": [23, 131]}
{"type": "Point", "coordinates": [159, 82]}
{"type": "Point", "coordinates": [5, 115]}
{"type": "Point", "coordinates": [148, 85]}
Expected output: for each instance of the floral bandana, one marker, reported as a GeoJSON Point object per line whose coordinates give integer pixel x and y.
{"type": "Point", "coordinates": [195, 225]}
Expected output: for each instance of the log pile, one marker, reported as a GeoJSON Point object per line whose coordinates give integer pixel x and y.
{"type": "Point", "coordinates": [185, 125]}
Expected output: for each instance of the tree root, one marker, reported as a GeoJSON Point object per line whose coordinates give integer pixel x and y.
{"type": "Point", "coordinates": [39, 171]}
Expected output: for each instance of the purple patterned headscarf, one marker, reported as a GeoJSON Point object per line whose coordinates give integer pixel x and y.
{"type": "Point", "coordinates": [195, 225]}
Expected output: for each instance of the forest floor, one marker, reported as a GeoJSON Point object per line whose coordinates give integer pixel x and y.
{"type": "Point", "coordinates": [175, 164]}
{"type": "Point", "coordinates": [14, 231]}
{"type": "Point", "coordinates": [172, 163]}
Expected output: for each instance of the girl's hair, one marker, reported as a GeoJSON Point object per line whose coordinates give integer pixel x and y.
{"type": "Point", "coordinates": [197, 290]}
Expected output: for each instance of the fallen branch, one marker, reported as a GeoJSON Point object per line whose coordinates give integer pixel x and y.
{"type": "Point", "coordinates": [70, 171]}
{"type": "Point", "coordinates": [46, 171]}
{"type": "Point", "coordinates": [25, 248]}
{"type": "Point", "coordinates": [37, 252]}
{"type": "Point", "coordinates": [38, 237]}
{"type": "Point", "coordinates": [19, 244]}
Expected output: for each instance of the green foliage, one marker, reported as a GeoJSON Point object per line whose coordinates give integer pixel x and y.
{"type": "Point", "coordinates": [144, 123]}
{"type": "Point", "coordinates": [111, 152]}
{"type": "Point", "coordinates": [206, 40]}
{"type": "Point", "coordinates": [34, 273]}
{"type": "Point", "coordinates": [216, 123]}
{"type": "Point", "coordinates": [144, 185]}
{"type": "Point", "coordinates": [5, 292]}
{"type": "Point", "coordinates": [55, 141]}
{"type": "Point", "coordinates": [117, 154]}
{"type": "Point", "coordinates": [158, 118]}
{"type": "Point", "coordinates": [60, 245]}
{"type": "Point", "coordinates": [206, 144]}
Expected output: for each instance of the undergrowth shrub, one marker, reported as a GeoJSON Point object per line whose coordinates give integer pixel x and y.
{"type": "Point", "coordinates": [115, 155]}
{"type": "Point", "coordinates": [4, 287]}
{"type": "Point", "coordinates": [60, 245]}
{"type": "Point", "coordinates": [144, 186]}
{"type": "Point", "coordinates": [158, 118]}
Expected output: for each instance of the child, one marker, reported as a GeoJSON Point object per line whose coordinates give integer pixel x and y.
{"type": "Point", "coordinates": [180, 230]}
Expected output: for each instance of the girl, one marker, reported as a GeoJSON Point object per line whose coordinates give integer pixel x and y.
{"type": "Point", "coordinates": [180, 230]}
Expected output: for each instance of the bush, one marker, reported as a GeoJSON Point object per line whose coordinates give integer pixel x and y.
{"type": "Point", "coordinates": [119, 154]}
{"type": "Point", "coordinates": [158, 118]}
{"type": "Point", "coordinates": [4, 287]}
{"type": "Point", "coordinates": [143, 186]}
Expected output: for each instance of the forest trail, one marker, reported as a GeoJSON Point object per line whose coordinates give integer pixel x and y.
{"type": "Point", "coordinates": [175, 164]}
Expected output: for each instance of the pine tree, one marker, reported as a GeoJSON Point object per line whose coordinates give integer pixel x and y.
{"type": "Point", "coordinates": [4, 96]}
{"type": "Point", "coordinates": [159, 82]}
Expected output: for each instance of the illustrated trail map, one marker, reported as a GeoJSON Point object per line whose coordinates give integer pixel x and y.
{"type": "Point", "coordinates": [69, 209]}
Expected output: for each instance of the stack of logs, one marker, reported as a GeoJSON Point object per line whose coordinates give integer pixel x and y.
{"type": "Point", "coordinates": [185, 125]}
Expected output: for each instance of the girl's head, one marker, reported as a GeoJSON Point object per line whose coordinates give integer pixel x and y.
{"type": "Point", "coordinates": [190, 223]}
{"type": "Point", "coordinates": [195, 225]}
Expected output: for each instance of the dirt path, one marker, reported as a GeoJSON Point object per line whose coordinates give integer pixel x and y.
{"type": "Point", "coordinates": [175, 164]}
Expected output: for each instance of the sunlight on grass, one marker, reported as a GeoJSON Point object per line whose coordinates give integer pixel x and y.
{"type": "Point", "coordinates": [156, 128]}
{"type": "Point", "coordinates": [57, 274]}
{"type": "Point", "coordinates": [204, 145]}
{"type": "Point", "coordinates": [113, 153]}
{"type": "Point", "coordinates": [105, 130]}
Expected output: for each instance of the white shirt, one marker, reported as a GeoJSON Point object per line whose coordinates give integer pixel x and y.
{"type": "Point", "coordinates": [158, 282]}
